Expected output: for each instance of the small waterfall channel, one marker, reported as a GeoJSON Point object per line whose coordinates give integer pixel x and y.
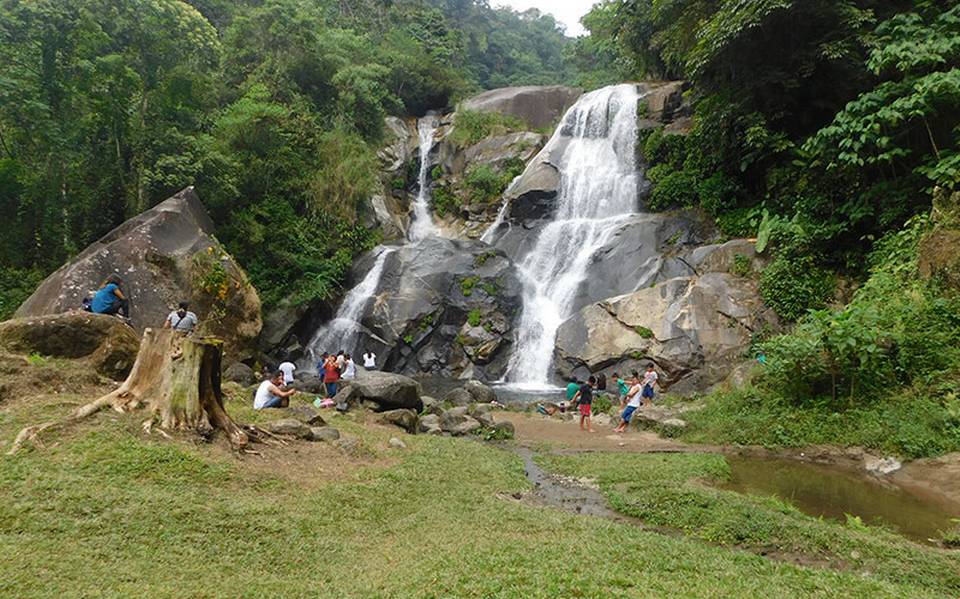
{"type": "Point", "coordinates": [598, 187]}
{"type": "Point", "coordinates": [343, 330]}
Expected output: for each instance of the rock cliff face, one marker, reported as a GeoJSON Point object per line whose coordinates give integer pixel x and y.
{"type": "Point", "coordinates": [695, 328]}
{"type": "Point", "coordinates": [165, 255]}
{"type": "Point", "coordinates": [443, 306]}
{"type": "Point", "coordinates": [538, 106]}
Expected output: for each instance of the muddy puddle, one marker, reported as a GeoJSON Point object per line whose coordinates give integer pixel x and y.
{"type": "Point", "coordinates": [832, 493]}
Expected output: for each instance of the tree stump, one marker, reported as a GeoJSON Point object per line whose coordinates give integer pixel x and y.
{"type": "Point", "coordinates": [177, 379]}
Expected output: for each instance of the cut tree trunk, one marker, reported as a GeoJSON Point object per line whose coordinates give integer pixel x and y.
{"type": "Point", "coordinates": [177, 379]}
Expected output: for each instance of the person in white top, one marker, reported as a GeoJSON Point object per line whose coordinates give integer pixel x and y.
{"type": "Point", "coordinates": [340, 360]}
{"type": "Point", "coordinates": [370, 360]}
{"type": "Point", "coordinates": [633, 402]}
{"type": "Point", "coordinates": [181, 319]}
{"type": "Point", "coordinates": [270, 395]}
{"type": "Point", "coordinates": [287, 369]}
{"type": "Point", "coordinates": [349, 369]}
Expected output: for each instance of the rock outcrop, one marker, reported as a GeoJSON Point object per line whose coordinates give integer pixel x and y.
{"type": "Point", "coordinates": [695, 328]}
{"type": "Point", "coordinates": [444, 307]}
{"type": "Point", "coordinates": [110, 345]}
{"type": "Point", "coordinates": [387, 390]}
{"type": "Point", "coordinates": [165, 255]}
{"type": "Point", "coordinates": [538, 106]}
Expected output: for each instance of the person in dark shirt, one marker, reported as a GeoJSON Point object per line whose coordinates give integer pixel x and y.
{"type": "Point", "coordinates": [584, 401]}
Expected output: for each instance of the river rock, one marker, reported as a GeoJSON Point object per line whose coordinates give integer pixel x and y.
{"type": "Point", "coordinates": [457, 397]}
{"type": "Point", "coordinates": [386, 389]}
{"type": "Point", "coordinates": [694, 328]}
{"type": "Point", "coordinates": [110, 345]}
{"type": "Point", "coordinates": [465, 427]}
{"type": "Point", "coordinates": [240, 373]}
{"type": "Point", "coordinates": [290, 427]}
{"type": "Point", "coordinates": [324, 433]}
{"type": "Point", "coordinates": [480, 393]}
{"type": "Point", "coordinates": [881, 466]}
{"type": "Point", "coordinates": [431, 405]}
{"type": "Point", "coordinates": [165, 255]}
{"type": "Point", "coordinates": [538, 106]}
{"type": "Point", "coordinates": [452, 418]}
{"type": "Point", "coordinates": [405, 419]}
{"type": "Point", "coordinates": [306, 414]}
{"type": "Point", "coordinates": [428, 423]}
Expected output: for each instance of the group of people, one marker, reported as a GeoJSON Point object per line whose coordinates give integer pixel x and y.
{"type": "Point", "coordinates": [632, 393]}
{"type": "Point", "coordinates": [111, 300]}
{"type": "Point", "coordinates": [275, 391]}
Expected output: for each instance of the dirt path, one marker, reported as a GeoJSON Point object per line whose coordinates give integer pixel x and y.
{"type": "Point", "coordinates": [536, 431]}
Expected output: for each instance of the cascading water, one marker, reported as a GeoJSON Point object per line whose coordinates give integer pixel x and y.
{"type": "Point", "coordinates": [421, 223]}
{"type": "Point", "coordinates": [598, 186]}
{"type": "Point", "coordinates": [342, 331]}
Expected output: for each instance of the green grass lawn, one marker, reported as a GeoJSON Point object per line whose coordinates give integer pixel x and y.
{"type": "Point", "coordinates": [106, 511]}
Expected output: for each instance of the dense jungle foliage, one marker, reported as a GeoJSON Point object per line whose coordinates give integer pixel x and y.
{"type": "Point", "coordinates": [822, 127]}
{"type": "Point", "coordinates": [273, 109]}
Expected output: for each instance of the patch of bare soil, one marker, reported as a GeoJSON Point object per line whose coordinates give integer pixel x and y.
{"type": "Point", "coordinates": [533, 430]}
{"type": "Point", "coordinates": [936, 479]}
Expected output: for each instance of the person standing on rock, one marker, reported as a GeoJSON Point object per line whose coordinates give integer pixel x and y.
{"type": "Point", "coordinates": [649, 380]}
{"type": "Point", "coordinates": [331, 376]}
{"type": "Point", "coordinates": [633, 402]}
{"type": "Point", "coordinates": [181, 320]}
{"type": "Point", "coordinates": [287, 367]}
{"type": "Point", "coordinates": [584, 401]}
{"type": "Point", "coordinates": [109, 299]}
{"type": "Point", "coordinates": [370, 360]}
{"type": "Point", "coordinates": [270, 395]}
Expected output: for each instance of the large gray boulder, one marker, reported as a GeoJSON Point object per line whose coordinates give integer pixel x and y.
{"type": "Point", "coordinates": [388, 390]}
{"type": "Point", "coordinates": [694, 328]}
{"type": "Point", "coordinates": [165, 255]}
{"type": "Point", "coordinates": [428, 291]}
{"type": "Point", "coordinates": [538, 106]}
{"type": "Point", "coordinates": [110, 345]}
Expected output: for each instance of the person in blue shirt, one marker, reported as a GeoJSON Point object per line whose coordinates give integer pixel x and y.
{"type": "Point", "coordinates": [109, 299]}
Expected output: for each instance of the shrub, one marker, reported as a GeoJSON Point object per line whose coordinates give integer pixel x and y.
{"type": "Point", "coordinates": [443, 200]}
{"type": "Point", "coordinates": [673, 190]}
{"type": "Point", "coordinates": [474, 317]}
{"type": "Point", "coordinates": [471, 126]}
{"type": "Point", "coordinates": [742, 267]}
{"type": "Point", "coordinates": [643, 332]}
{"type": "Point", "coordinates": [16, 285]}
{"type": "Point", "coordinates": [792, 285]}
{"type": "Point", "coordinates": [467, 284]}
{"type": "Point", "coordinates": [602, 403]}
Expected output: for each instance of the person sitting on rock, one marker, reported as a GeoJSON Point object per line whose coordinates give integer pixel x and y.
{"type": "Point", "coordinates": [270, 395]}
{"type": "Point", "coordinates": [370, 360]}
{"type": "Point", "coordinates": [349, 368]}
{"type": "Point", "coordinates": [109, 299]}
{"type": "Point", "coordinates": [181, 320]}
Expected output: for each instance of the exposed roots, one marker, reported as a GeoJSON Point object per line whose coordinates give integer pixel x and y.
{"type": "Point", "coordinates": [178, 380]}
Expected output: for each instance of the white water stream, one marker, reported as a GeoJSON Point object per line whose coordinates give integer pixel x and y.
{"type": "Point", "coordinates": [421, 223]}
{"type": "Point", "coordinates": [598, 184]}
{"type": "Point", "coordinates": [343, 330]}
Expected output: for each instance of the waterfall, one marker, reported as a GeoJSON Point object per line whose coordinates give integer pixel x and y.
{"type": "Point", "coordinates": [421, 223]}
{"type": "Point", "coordinates": [342, 331]}
{"type": "Point", "coordinates": [598, 186]}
